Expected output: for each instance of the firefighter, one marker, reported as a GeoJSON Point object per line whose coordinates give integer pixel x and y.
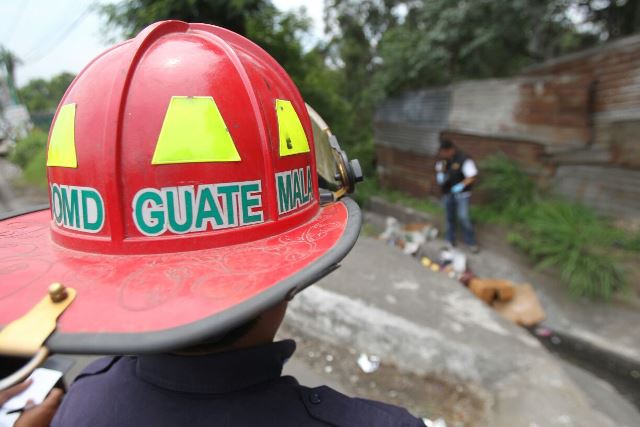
{"type": "Point", "coordinates": [185, 212]}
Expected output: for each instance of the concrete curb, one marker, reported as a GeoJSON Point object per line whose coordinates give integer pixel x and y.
{"type": "Point", "coordinates": [382, 302]}
{"type": "Point", "coordinates": [592, 351]}
{"type": "Point", "coordinates": [401, 213]}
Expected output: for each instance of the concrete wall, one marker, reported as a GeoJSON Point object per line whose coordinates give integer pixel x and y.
{"type": "Point", "coordinates": [579, 114]}
{"type": "Point", "coordinates": [413, 121]}
{"type": "Point", "coordinates": [614, 73]}
{"type": "Point", "coordinates": [550, 110]}
{"type": "Point", "coordinates": [610, 190]}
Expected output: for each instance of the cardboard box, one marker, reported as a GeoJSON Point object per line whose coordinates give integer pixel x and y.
{"type": "Point", "coordinates": [524, 309]}
{"type": "Point", "coordinates": [489, 290]}
{"type": "Point", "coordinates": [483, 289]}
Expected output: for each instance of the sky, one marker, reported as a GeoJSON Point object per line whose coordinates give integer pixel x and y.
{"type": "Point", "coordinates": [52, 36]}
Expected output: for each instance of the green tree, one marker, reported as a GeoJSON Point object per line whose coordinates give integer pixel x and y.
{"type": "Point", "coordinates": [128, 17]}
{"type": "Point", "coordinates": [40, 95]}
{"type": "Point", "coordinates": [277, 32]}
{"type": "Point", "coordinates": [611, 18]}
{"type": "Point", "coordinates": [355, 28]}
{"type": "Point", "coordinates": [9, 61]}
{"type": "Point", "coordinates": [441, 41]}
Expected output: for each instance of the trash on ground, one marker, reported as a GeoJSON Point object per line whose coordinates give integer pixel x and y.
{"type": "Point", "coordinates": [392, 229]}
{"type": "Point", "coordinates": [517, 303]}
{"type": "Point", "coordinates": [410, 237]}
{"type": "Point", "coordinates": [543, 332]}
{"type": "Point", "coordinates": [434, 423]}
{"type": "Point", "coordinates": [459, 262]}
{"type": "Point", "coordinates": [368, 363]}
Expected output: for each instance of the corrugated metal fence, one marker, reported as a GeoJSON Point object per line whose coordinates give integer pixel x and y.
{"type": "Point", "coordinates": [576, 119]}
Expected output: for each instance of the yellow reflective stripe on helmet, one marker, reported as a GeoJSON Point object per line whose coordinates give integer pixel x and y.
{"type": "Point", "coordinates": [62, 145]}
{"type": "Point", "coordinates": [193, 131]}
{"type": "Point", "coordinates": [293, 140]}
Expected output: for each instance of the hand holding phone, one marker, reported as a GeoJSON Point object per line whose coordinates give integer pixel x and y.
{"type": "Point", "coordinates": [27, 404]}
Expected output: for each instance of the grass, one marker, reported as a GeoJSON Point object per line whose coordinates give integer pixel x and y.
{"type": "Point", "coordinates": [513, 194]}
{"type": "Point", "coordinates": [35, 173]}
{"type": "Point", "coordinates": [422, 205]}
{"type": "Point", "coordinates": [30, 154]}
{"type": "Point", "coordinates": [370, 187]}
{"type": "Point", "coordinates": [584, 248]}
{"type": "Point", "coordinates": [577, 242]}
{"type": "Point", "coordinates": [556, 234]}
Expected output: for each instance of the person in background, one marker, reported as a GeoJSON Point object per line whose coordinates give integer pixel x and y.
{"type": "Point", "coordinates": [456, 173]}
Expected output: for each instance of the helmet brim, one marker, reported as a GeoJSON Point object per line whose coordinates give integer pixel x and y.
{"type": "Point", "coordinates": [153, 303]}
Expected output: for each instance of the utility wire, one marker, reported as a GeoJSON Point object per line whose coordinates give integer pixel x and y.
{"type": "Point", "coordinates": [41, 52]}
{"type": "Point", "coordinates": [14, 24]}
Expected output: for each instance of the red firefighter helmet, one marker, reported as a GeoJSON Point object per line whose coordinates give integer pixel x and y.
{"type": "Point", "coordinates": [184, 197]}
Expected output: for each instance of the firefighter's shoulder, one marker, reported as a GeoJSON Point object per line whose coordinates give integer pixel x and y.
{"type": "Point", "coordinates": [334, 408]}
{"type": "Point", "coordinates": [98, 366]}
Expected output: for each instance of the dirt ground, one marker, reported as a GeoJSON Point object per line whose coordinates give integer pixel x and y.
{"type": "Point", "coordinates": [430, 397]}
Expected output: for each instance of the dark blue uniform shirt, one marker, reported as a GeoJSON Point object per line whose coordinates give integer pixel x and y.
{"type": "Point", "coordinates": [236, 388]}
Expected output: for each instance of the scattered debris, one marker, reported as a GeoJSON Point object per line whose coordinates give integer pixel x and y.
{"type": "Point", "coordinates": [459, 262]}
{"type": "Point", "coordinates": [450, 260]}
{"type": "Point", "coordinates": [434, 423]}
{"type": "Point", "coordinates": [410, 237]}
{"type": "Point", "coordinates": [391, 231]}
{"type": "Point", "coordinates": [517, 303]}
{"type": "Point", "coordinates": [368, 364]}
{"type": "Point", "coordinates": [543, 332]}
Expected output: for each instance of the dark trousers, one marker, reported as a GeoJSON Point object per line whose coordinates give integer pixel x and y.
{"type": "Point", "coordinates": [457, 210]}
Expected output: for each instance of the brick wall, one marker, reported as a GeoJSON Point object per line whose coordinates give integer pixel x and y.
{"type": "Point", "coordinates": [406, 171]}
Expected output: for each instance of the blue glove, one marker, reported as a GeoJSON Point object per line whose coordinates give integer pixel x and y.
{"type": "Point", "coordinates": [440, 178]}
{"type": "Point", "coordinates": [457, 188]}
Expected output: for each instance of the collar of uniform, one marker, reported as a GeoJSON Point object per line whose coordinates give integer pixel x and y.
{"type": "Point", "coordinates": [216, 373]}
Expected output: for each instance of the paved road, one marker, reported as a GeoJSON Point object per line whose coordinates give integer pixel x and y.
{"type": "Point", "coordinates": [384, 302]}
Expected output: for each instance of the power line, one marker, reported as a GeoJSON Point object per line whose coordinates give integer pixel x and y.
{"type": "Point", "coordinates": [40, 52]}
{"type": "Point", "coordinates": [14, 24]}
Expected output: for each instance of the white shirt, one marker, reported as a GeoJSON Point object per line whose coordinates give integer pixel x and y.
{"type": "Point", "coordinates": [469, 169]}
